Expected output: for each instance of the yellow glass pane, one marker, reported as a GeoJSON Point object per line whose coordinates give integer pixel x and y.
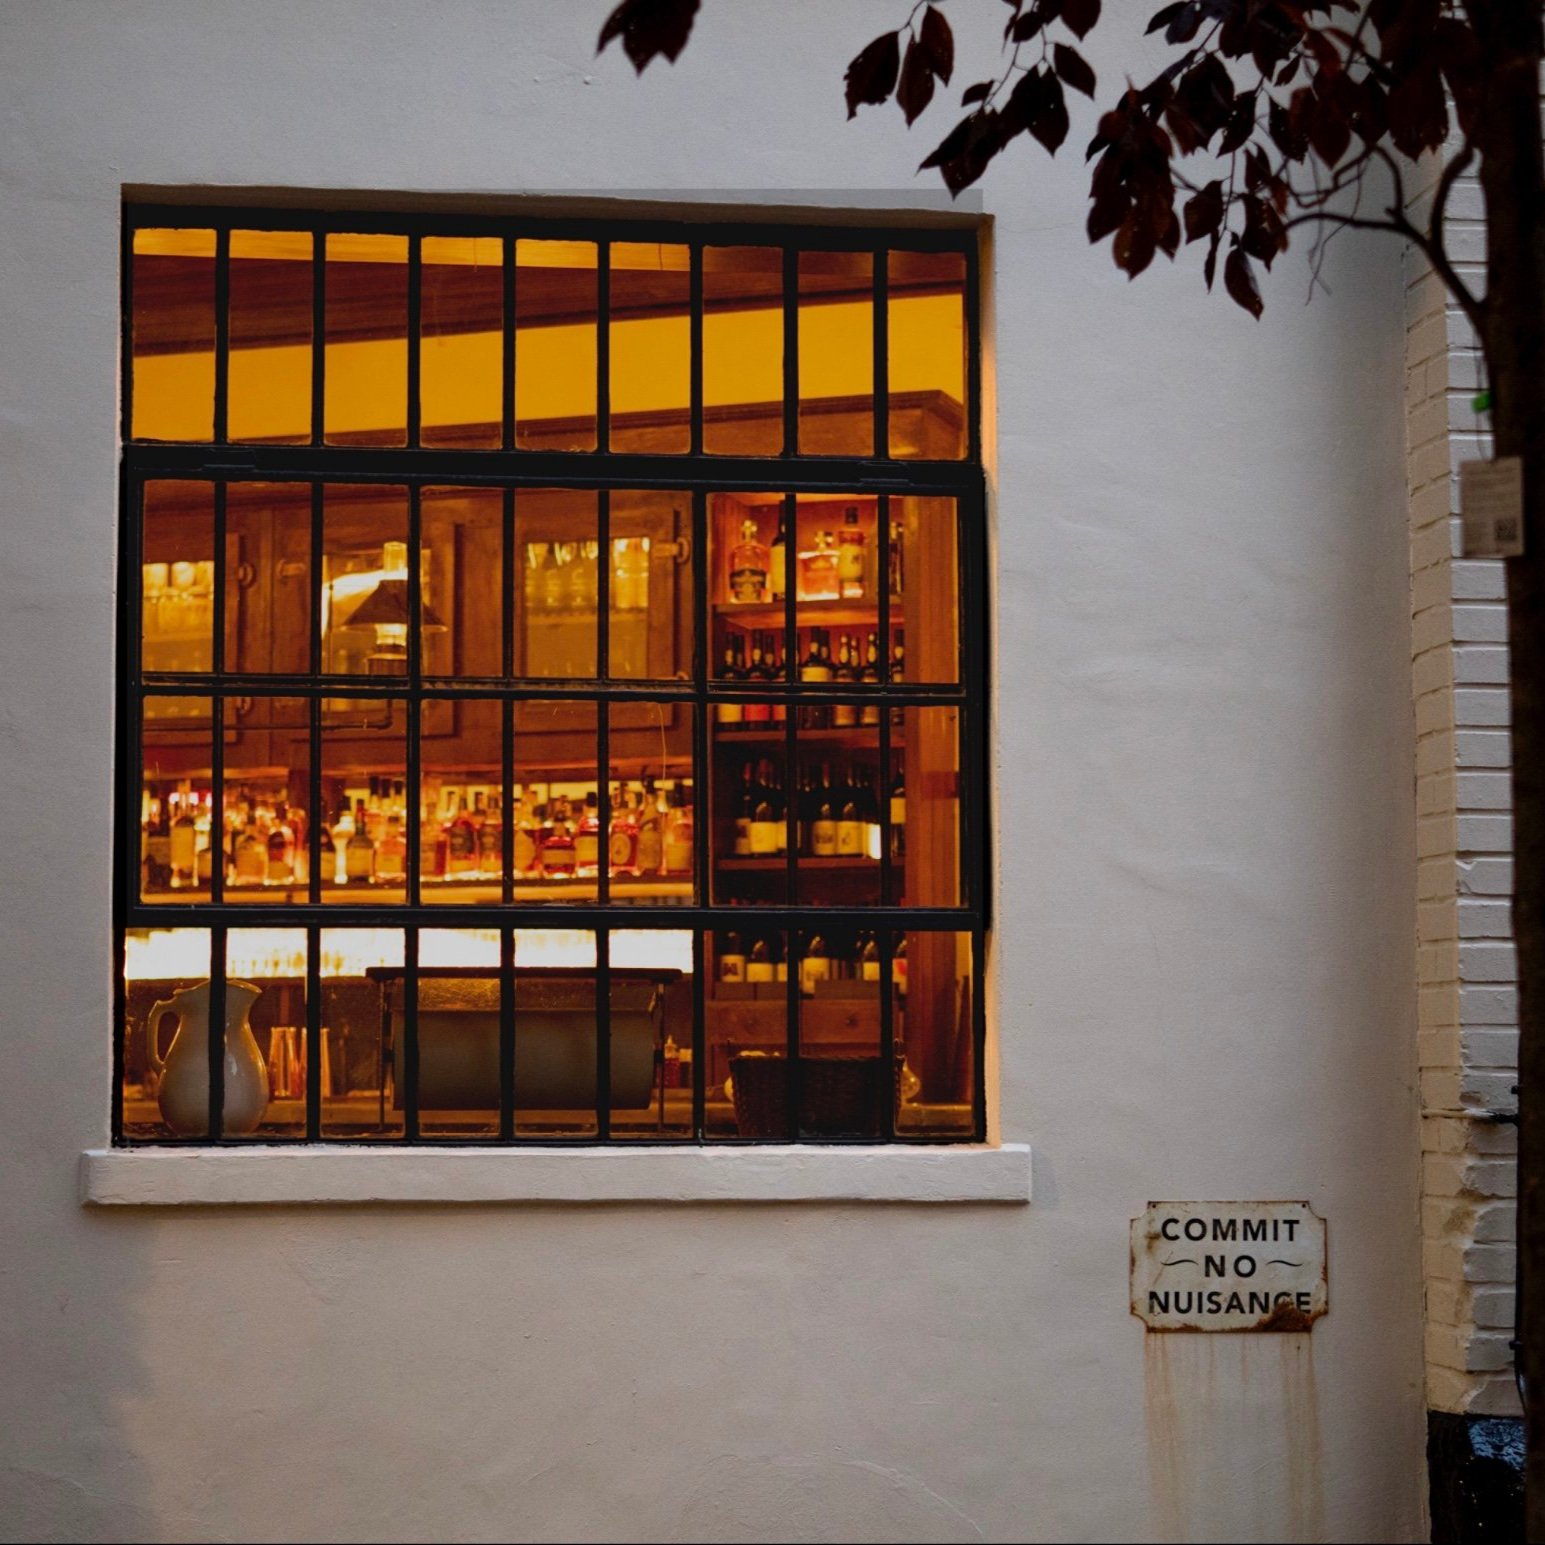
{"type": "Point", "coordinates": [653, 793]}
{"type": "Point", "coordinates": [265, 983]}
{"type": "Point", "coordinates": [926, 354]}
{"type": "Point", "coordinates": [178, 839]}
{"type": "Point", "coordinates": [271, 294]}
{"type": "Point", "coordinates": [366, 396]}
{"type": "Point", "coordinates": [459, 1014]}
{"type": "Point", "coordinates": [173, 335]}
{"type": "Point", "coordinates": [924, 807]}
{"type": "Point", "coordinates": [364, 801]}
{"type": "Point", "coordinates": [177, 577]}
{"type": "Point", "coordinates": [555, 345]}
{"type": "Point", "coordinates": [359, 969]}
{"type": "Point", "coordinates": [651, 1013]}
{"type": "Point", "coordinates": [461, 805]}
{"type": "Point", "coordinates": [557, 556]}
{"type": "Point", "coordinates": [651, 347]}
{"type": "Point", "coordinates": [743, 351]}
{"type": "Point", "coordinates": [461, 361]}
{"type": "Point", "coordinates": [836, 354]}
{"type": "Point", "coordinates": [265, 819]}
{"type": "Point", "coordinates": [933, 1015]}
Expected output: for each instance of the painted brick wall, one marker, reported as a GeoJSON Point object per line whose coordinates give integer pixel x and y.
{"type": "Point", "coordinates": [1467, 1018]}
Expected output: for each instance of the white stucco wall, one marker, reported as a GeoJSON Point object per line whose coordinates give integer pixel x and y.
{"type": "Point", "coordinates": [1204, 978]}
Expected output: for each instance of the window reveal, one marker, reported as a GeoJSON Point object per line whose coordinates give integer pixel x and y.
{"type": "Point", "coordinates": [554, 721]}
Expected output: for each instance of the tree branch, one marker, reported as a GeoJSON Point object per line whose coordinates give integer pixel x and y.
{"type": "Point", "coordinates": [1433, 246]}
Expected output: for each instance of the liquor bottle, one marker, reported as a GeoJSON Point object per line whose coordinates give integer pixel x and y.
{"type": "Point", "coordinates": [899, 656]}
{"type": "Point", "coordinates": [869, 959]}
{"type": "Point", "coordinates": [899, 968]}
{"type": "Point", "coordinates": [823, 817]}
{"type": "Point", "coordinates": [897, 574]}
{"type": "Point", "coordinates": [329, 854]}
{"type": "Point", "coordinates": [759, 963]}
{"type": "Point", "coordinates": [359, 856]}
{"type": "Point", "coordinates": [898, 799]}
{"type": "Point", "coordinates": [814, 965]}
{"type": "Point", "coordinates": [818, 569]}
{"type": "Point", "coordinates": [767, 822]}
{"type": "Point", "coordinates": [844, 673]}
{"type": "Point", "coordinates": [622, 834]}
{"type": "Point", "coordinates": [749, 563]}
{"type": "Point", "coordinates": [587, 838]}
{"type": "Point", "coordinates": [870, 677]}
{"type": "Point", "coordinates": [852, 558]}
{"type": "Point", "coordinates": [251, 856]}
{"type": "Point", "coordinates": [816, 667]}
{"type": "Point", "coordinates": [850, 821]}
{"type": "Point", "coordinates": [557, 848]}
{"type": "Point", "coordinates": [461, 843]}
{"type": "Point", "coordinates": [743, 813]}
{"type": "Point", "coordinates": [777, 577]}
{"type": "Point", "coordinates": [525, 839]}
{"type": "Point", "coordinates": [651, 831]}
{"type": "Point", "coordinates": [869, 809]}
{"type": "Point", "coordinates": [281, 849]}
{"type": "Point", "coordinates": [756, 675]}
{"type": "Point", "coordinates": [777, 674]}
{"type": "Point", "coordinates": [732, 674]}
{"type": "Point", "coordinates": [732, 959]}
{"type": "Point", "coordinates": [392, 850]}
{"type": "Point", "coordinates": [490, 839]}
{"type": "Point", "coordinates": [184, 841]}
{"type": "Point", "coordinates": [678, 831]}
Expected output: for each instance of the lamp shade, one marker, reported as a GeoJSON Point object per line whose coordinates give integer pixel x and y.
{"type": "Point", "coordinates": [387, 606]}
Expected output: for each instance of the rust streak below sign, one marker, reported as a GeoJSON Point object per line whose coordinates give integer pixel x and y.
{"type": "Point", "coordinates": [1232, 1266]}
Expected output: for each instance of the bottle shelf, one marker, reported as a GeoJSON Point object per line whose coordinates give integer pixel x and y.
{"type": "Point", "coordinates": [861, 738]}
{"type": "Point", "coordinates": [770, 614]}
{"type": "Point", "coordinates": [770, 865]}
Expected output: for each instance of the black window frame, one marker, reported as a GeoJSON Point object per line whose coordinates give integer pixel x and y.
{"type": "Point", "coordinates": [221, 462]}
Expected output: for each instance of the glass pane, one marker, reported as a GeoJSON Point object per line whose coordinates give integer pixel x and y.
{"type": "Point", "coordinates": [163, 1093]}
{"type": "Point", "coordinates": [933, 1013]}
{"type": "Point", "coordinates": [926, 354]}
{"type": "Point", "coordinates": [268, 577]}
{"type": "Point", "coordinates": [364, 772]}
{"type": "Point", "coordinates": [651, 585]}
{"type": "Point", "coordinates": [365, 580]}
{"type": "Point", "coordinates": [461, 366]}
{"type": "Point", "coordinates": [270, 311]}
{"type": "Point", "coordinates": [651, 347]}
{"type": "Point", "coordinates": [461, 819]}
{"type": "Point", "coordinates": [265, 1070]}
{"type": "Point", "coordinates": [557, 811]}
{"type": "Point", "coordinates": [651, 1001]}
{"type": "Point", "coordinates": [359, 968]}
{"type": "Point", "coordinates": [743, 351]}
{"type": "Point", "coordinates": [173, 335]}
{"type": "Point", "coordinates": [555, 345]}
{"type": "Point", "coordinates": [748, 559]}
{"type": "Point", "coordinates": [653, 799]}
{"type": "Point", "coordinates": [836, 354]}
{"type": "Point", "coordinates": [366, 401]}
{"type": "Point", "coordinates": [748, 834]}
{"type": "Point", "coordinates": [265, 828]}
{"type": "Point", "coordinates": [459, 1012]}
{"type": "Point", "coordinates": [746, 1034]}
{"type": "Point", "coordinates": [178, 577]}
{"type": "Point", "coordinates": [842, 1076]}
{"type": "Point", "coordinates": [463, 596]}
{"type": "Point", "coordinates": [924, 801]}
{"type": "Point", "coordinates": [176, 799]}
{"type": "Point", "coordinates": [555, 1032]}
{"type": "Point", "coordinates": [557, 543]}
{"type": "Point", "coordinates": [839, 810]}
{"type": "Point", "coordinates": [925, 586]}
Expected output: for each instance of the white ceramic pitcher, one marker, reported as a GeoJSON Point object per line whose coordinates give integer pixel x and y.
{"type": "Point", "coordinates": [183, 1074]}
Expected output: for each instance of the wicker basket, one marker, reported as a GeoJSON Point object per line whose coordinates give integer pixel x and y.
{"type": "Point", "coordinates": [839, 1096]}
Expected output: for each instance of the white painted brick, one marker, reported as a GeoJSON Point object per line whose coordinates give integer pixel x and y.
{"type": "Point", "coordinates": [1490, 1263]}
{"type": "Point", "coordinates": [1492, 1307]}
{"type": "Point", "coordinates": [1484, 791]}
{"type": "Point", "coordinates": [1479, 579]}
{"type": "Point", "coordinates": [1481, 748]}
{"type": "Point", "coordinates": [1481, 961]}
{"type": "Point", "coordinates": [1464, 370]}
{"type": "Point", "coordinates": [1481, 919]}
{"type": "Point", "coordinates": [1497, 1396]}
{"type": "Point", "coordinates": [1491, 1046]}
{"type": "Point", "coordinates": [1491, 1177]}
{"type": "Point", "coordinates": [1485, 876]}
{"type": "Point", "coordinates": [1480, 665]}
{"type": "Point", "coordinates": [1481, 707]}
{"type": "Point", "coordinates": [1488, 1351]}
{"type": "Point", "coordinates": [1488, 1089]}
{"type": "Point", "coordinates": [1479, 622]}
{"type": "Point", "coordinates": [1484, 833]}
{"type": "Point", "coordinates": [1488, 1005]}
{"type": "Point", "coordinates": [1495, 1223]}
{"type": "Point", "coordinates": [1496, 1145]}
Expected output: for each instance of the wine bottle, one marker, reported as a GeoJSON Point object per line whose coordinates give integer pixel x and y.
{"type": "Point", "coordinates": [851, 557]}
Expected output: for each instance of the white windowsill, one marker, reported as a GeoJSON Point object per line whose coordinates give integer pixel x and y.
{"type": "Point", "coordinates": [187, 1177]}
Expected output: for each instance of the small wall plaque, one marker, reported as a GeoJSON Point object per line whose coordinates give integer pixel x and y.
{"type": "Point", "coordinates": [1491, 502]}
{"type": "Point", "coordinates": [1234, 1266]}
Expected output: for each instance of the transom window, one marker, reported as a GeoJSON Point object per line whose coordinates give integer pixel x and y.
{"type": "Point", "coordinates": [552, 682]}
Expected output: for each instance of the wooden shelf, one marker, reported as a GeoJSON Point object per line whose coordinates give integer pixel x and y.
{"type": "Point", "coordinates": [757, 614]}
{"type": "Point", "coordinates": [861, 737]}
{"type": "Point", "coordinates": [769, 865]}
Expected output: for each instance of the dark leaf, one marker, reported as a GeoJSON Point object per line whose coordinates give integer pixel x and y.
{"type": "Point", "coordinates": [1207, 93]}
{"type": "Point", "coordinates": [1204, 211]}
{"type": "Point", "coordinates": [977, 93]}
{"type": "Point", "coordinates": [1164, 16]}
{"type": "Point", "coordinates": [1185, 26]}
{"type": "Point", "coordinates": [1239, 281]}
{"type": "Point", "coordinates": [648, 28]}
{"type": "Point", "coordinates": [872, 75]}
{"type": "Point", "coordinates": [1073, 68]}
{"type": "Point", "coordinates": [1329, 132]}
{"type": "Point", "coordinates": [1418, 114]}
{"type": "Point", "coordinates": [1080, 16]}
{"type": "Point", "coordinates": [1134, 245]}
{"type": "Point", "coordinates": [1050, 124]}
{"type": "Point", "coordinates": [1107, 212]}
{"type": "Point", "coordinates": [1210, 266]}
{"type": "Point", "coordinates": [1241, 125]}
{"type": "Point", "coordinates": [966, 151]}
{"type": "Point", "coordinates": [1169, 236]}
{"type": "Point", "coordinates": [939, 42]}
{"type": "Point", "coordinates": [1025, 27]}
{"type": "Point", "coordinates": [915, 90]}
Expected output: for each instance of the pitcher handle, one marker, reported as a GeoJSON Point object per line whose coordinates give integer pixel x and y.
{"type": "Point", "coordinates": [153, 1034]}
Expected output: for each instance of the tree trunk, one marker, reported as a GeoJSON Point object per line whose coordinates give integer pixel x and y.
{"type": "Point", "coordinates": [1513, 179]}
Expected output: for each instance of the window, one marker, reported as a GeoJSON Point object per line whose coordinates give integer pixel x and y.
{"type": "Point", "coordinates": [552, 682]}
